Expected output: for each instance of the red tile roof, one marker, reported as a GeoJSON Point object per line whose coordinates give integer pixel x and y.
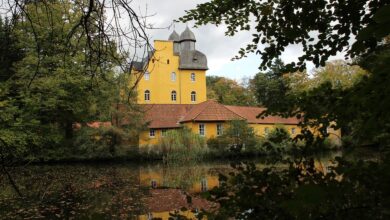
{"type": "Point", "coordinates": [171, 115]}
{"type": "Point", "coordinates": [165, 115]}
{"type": "Point", "coordinates": [211, 110]}
{"type": "Point", "coordinates": [251, 113]}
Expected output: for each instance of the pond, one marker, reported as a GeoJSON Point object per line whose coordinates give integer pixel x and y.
{"type": "Point", "coordinates": [115, 190]}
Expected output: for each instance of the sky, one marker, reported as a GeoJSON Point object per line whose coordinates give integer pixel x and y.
{"type": "Point", "coordinates": [211, 40]}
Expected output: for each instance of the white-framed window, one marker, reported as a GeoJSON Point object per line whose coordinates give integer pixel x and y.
{"type": "Point", "coordinates": [292, 130]}
{"type": "Point", "coordinates": [266, 130]}
{"type": "Point", "coordinates": [152, 133]}
{"type": "Point", "coordinates": [147, 76]}
{"type": "Point", "coordinates": [203, 185]}
{"type": "Point", "coordinates": [163, 132]}
{"type": "Point", "coordinates": [219, 129]}
{"type": "Point", "coordinates": [193, 77]}
{"type": "Point", "coordinates": [193, 96]}
{"type": "Point", "coordinates": [147, 95]}
{"type": "Point", "coordinates": [173, 76]}
{"type": "Point", "coordinates": [173, 95]}
{"type": "Point", "coordinates": [202, 129]}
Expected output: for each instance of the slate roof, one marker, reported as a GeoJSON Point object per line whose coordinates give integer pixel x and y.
{"type": "Point", "coordinates": [172, 115]}
{"type": "Point", "coordinates": [193, 59]}
{"type": "Point", "coordinates": [187, 34]}
{"type": "Point", "coordinates": [174, 36]}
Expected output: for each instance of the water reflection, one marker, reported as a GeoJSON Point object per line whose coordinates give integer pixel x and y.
{"type": "Point", "coordinates": [120, 191]}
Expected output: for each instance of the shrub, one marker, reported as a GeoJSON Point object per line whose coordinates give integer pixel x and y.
{"type": "Point", "coordinates": [182, 145]}
{"type": "Point", "coordinates": [239, 135]}
{"type": "Point", "coordinates": [103, 142]}
{"type": "Point", "coordinates": [278, 135]}
{"type": "Point", "coordinates": [278, 141]}
{"type": "Point", "coordinates": [219, 144]}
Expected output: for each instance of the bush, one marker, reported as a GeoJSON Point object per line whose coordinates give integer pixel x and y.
{"type": "Point", "coordinates": [278, 141]}
{"type": "Point", "coordinates": [104, 142]}
{"type": "Point", "coordinates": [182, 145]}
{"type": "Point", "coordinates": [219, 143]}
{"type": "Point", "coordinates": [278, 135]}
{"type": "Point", "coordinates": [239, 135]}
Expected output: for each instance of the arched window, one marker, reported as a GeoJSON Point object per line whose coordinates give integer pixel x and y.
{"type": "Point", "coordinates": [192, 77]}
{"type": "Point", "coordinates": [167, 61]}
{"type": "Point", "coordinates": [147, 76]}
{"type": "Point", "coordinates": [173, 76]}
{"type": "Point", "coordinates": [193, 96]}
{"type": "Point", "coordinates": [173, 95]}
{"type": "Point", "coordinates": [147, 95]}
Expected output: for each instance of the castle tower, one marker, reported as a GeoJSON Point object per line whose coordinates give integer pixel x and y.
{"type": "Point", "coordinates": [176, 72]}
{"type": "Point", "coordinates": [176, 42]}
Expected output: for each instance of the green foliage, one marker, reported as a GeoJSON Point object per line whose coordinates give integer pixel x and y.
{"type": "Point", "coordinates": [100, 143]}
{"type": "Point", "coordinates": [236, 137]}
{"type": "Point", "coordinates": [229, 92]}
{"type": "Point", "coordinates": [51, 86]}
{"type": "Point", "coordinates": [278, 135]}
{"type": "Point", "coordinates": [182, 145]}
{"type": "Point", "coordinates": [10, 53]}
{"type": "Point", "coordinates": [280, 24]}
{"type": "Point", "coordinates": [270, 87]}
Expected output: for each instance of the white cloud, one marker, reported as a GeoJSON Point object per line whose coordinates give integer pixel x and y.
{"type": "Point", "coordinates": [211, 40]}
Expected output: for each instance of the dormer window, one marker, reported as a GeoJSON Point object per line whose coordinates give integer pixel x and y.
{"type": "Point", "coordinates": [192, 77]}
{"type": "Point", "coordinates": [173, 76]}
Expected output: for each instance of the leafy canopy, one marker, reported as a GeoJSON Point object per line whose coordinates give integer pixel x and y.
{"type": "Point", "coordinates": [321, 27]}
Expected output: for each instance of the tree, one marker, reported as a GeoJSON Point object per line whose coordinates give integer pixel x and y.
{"type": "Point", "coordinates": [228, 92]}
{"type": "Point", "coordinates": [10, 53]}
{"type": "Point", "coordinates": [46, 95]}
{"type": "Point", "coordinates": [239, 134]}
{"type": "Point", "coordinates": [270, 88]}
{"type": "Point", "coordinates": [99, 23]}
{"type": "Point", "coordinates": [322, 27]}
{"type": "Point", "coordinates": [339, 73]}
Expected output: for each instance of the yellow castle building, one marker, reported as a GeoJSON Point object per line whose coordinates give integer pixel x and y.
{"type": "Point", "coordinates": [172, 91]}
{"type": "Point", "coordinates": [175, 72]}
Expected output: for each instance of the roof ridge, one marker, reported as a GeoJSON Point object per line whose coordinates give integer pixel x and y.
{"type": "Point", "coordinates": [233, 112]}
{"type": "Point", "coordinates": [204, 103]}
{"type": "Point", "coordinates": [238, 113]}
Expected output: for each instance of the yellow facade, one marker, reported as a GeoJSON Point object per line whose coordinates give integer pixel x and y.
{"type": "Point", "coordinates": [260, 130]}
{"type": "Point", "coordinates": [160, 82]}
{"type": "Point", "coordinates": [211, 131]}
